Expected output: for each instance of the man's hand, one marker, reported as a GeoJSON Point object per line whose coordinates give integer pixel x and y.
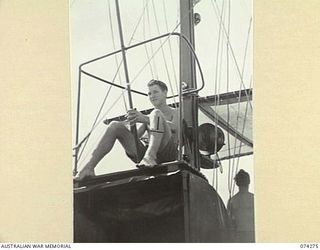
{"type": "Point", "coordinates": [134, 116]}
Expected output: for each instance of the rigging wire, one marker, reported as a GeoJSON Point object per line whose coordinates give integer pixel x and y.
{"type": "Point", "coordinates": [246, 48]}
{"type": "Point", "coordinates": [108, 92]}
{"type": "Point", "coordinates": [235, 138]}
{"type": "Point", "coordinates": [154, 55]}
{"type": "Point", "coordinates": [218, 94]}
{"type": "Point", "coordinates": [217, 179]}
{"type": "Point", "coordinates": [216, 82]}
{"type": "Point", "coordinates": [238, 114]}
{"type": "Point", "coordinates": [154, 52]}
{"type": "Point", "coordinates": [101, 120]}
{"type": "Point", "coordinates": [116, 73]}
{"type": "Point", "coordinates": [145, 45]}
{"type": "Point", "coordinates": [227, 33]}
{"type": "Point", "coordinates": [114, 47]}
{"type": "Point", "coordinates": [237, 66]}
{"type": "Point", "coordinates": [217, 11]}
{"type": "Point", "coordinates": [197, 60]}
{"type": "Point", "coordinates": [158, 49]}
{"type": "Point", "coordinates": [139, 71]}
{"type": "Point", "coordinates": [95, 122]}
{"type": "Point", "coordinates": [133, 127]}
{"type": "Point", "coordinates": [151, 46]}
{"type": "Point", "coordinates": [230, 177]}
{"type": "Point", "coordinates": [177, 22]}
{"type": "Point", "coordinates": [170, 47]}
{"type": "Point", "coordinates": [162, 52]}
{"type": "Point", "coordinates": [243, 127]}
{"type": "Point", "coordinates": [119, 76]}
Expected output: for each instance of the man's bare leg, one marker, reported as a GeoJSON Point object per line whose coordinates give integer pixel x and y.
{"type": "Point", "coordinates": [115, 130]}
{"type": "Point", "coordinates": [160, 135]}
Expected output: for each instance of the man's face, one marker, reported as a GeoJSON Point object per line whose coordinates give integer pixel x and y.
{"type": "Point", "coordinates": [156, 95]}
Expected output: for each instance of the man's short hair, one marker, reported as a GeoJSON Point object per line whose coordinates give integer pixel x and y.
{"type": "Point", "coordinates": [242, 178]}
{"type": "Point", "coordinates": [161, 85]}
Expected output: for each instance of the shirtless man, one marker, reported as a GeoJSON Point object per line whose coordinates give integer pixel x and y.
{"type": "Point", "coordinates": [241, 210]}
{"type": "Point", "coordinates": [162, 128]}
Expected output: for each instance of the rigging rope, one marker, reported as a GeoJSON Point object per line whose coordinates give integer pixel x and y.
{"type": "Point", "coordinates": [100, 121]}
{"type": "Point", "coordinates": [219, 91]}
{"type": "Point", "coordinates": [227, 35]}
{"type": "Point", "coordinates": [170, 48]}
{"type": "Point", "coordinates": [216, 90]}
{"type": "Point", "coordinates": [133, 127]}
{"type": "Point", "coordinates": [155, 51]}
{"type": "Point", "coordinates": [217, 179]}
{"type": "Point", "coordinates": [217, 10]}
{"type": "Point", "coordinates": [235, 170]}
{"type": "Point", "coordinates": [197, 60]}
{"type": "Point", "coordinates": [235, 138]}
{"type": "Point", "coordinates": [114, 47]}
{"type": "Point", "coordinates": [116, 73]}
{"type": "Point", "coordinates": [145, 45]}
{"type": "Point", "coordinates": [108, 92]}
{"type": "Point", "coordinates": [230, 176]}
{"type": "Point", "coordinates": [162, 52]}
{"type": "Point", "coordinates": [95, 122]}
{"type": "Point", "coordinates": [152, 56]}
{"type": "Point", "coordinates": [161, 45]}
{"type": "Point", "coordinates": [246, 48]}
{"type": "Point", "coordinates": [151, 46]}
{"type": "Point", "coordinates": [243, 127]}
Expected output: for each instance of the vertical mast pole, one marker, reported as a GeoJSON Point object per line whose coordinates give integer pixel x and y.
{"type": "Point", "coordinates": [133, 127]}
{"type": "Point", "coordinates": [188, 76]}
{"type": "Point", "coordinates": [75, 170]}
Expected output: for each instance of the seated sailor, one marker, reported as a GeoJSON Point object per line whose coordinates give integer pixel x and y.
{"type": "Point", "coordinates": [161, 125]}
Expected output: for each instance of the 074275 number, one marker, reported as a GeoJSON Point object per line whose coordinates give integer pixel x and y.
{"type": "Point", "coordinates": [307, 245]}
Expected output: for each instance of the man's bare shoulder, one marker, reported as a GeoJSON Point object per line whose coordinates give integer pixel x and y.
{"type": "Point", "coordinates": [174, 110]}
{"type": "Point", "coordinates": [175, 113]}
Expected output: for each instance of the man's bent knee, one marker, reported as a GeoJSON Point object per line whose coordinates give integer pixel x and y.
{"type": "Point", "coordinates": [116, 126]}
{"type": "Point", "coordinates": [118, 129]}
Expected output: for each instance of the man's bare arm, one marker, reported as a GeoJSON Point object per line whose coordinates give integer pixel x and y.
{"type": "Point", "coordinates": [141, 130]}
{"type": "Point", "coordinates": [174, 124]}
{"type": "Point", "coordinates": [137, 117]}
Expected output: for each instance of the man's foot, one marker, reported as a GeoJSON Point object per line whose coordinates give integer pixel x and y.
{"type": "Point", "coordinates": [85, 173]}
{"type": "Point", "coordinates": [147, 162]}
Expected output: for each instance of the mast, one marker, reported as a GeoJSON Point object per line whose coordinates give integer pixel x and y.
{"type": "Point", "coordinates": [188, 76]}
{"type": "Point", "coordinates": [75, 155]}
{"type": "Point", "coordinates": [133, 127]}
